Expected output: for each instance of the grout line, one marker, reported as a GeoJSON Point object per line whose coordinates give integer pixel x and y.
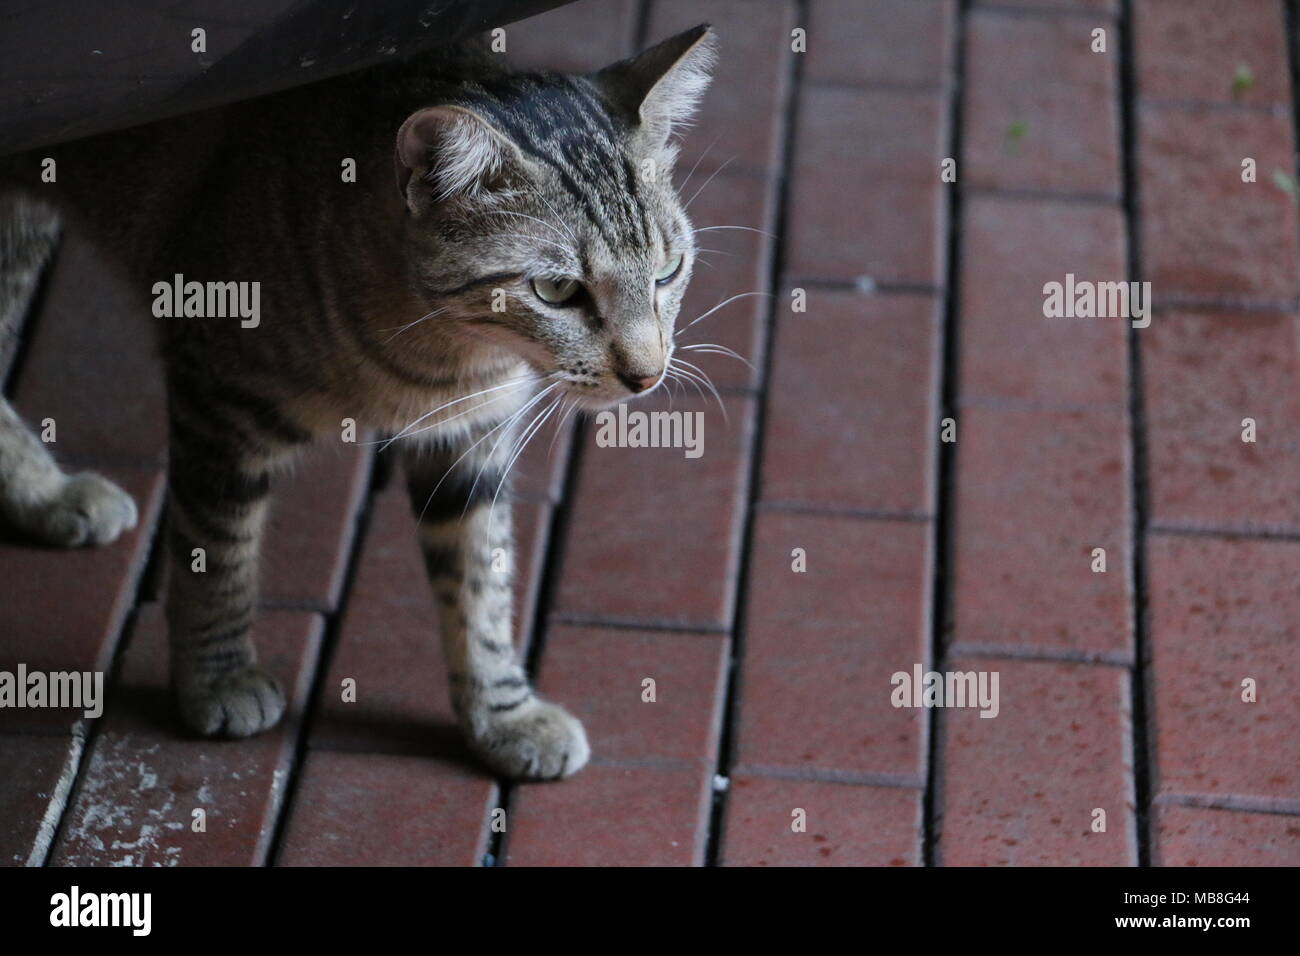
{"type": "Point", "coordinates": [1143, 733]}
{"type": "Point", "coordinates": [789, 111]}
{"type": "Point", "coordinates": [92, 728]}
{"type": "Point", "coordinates": [986, 652]}
{"type": "Point", "coordinates": [634, 624]}
{"type": "Point", "coordinates": [835, 511]}
{"type": "Point", "coordinates": [330, 637]}
{"type": "Point", "coordinates": [1231, 803]}
{"type": "Point", "coordinates": [945, 459]}
{"type": "Point", "coordinates": [1231, 534]}
{"type": "Point", "coordinates": [47, 831]}
{"type": "Point", "coordinates": [848, 778]}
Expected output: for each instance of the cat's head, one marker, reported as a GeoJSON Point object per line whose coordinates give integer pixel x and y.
{"type": "Point", "coordinates": [542, 217]}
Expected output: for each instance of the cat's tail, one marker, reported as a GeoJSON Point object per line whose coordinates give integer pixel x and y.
{"type": "Point", "coordinates": [29, 232]}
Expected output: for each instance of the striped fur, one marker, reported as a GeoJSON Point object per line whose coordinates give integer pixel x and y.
{"type": "Point", "coordinates": [409, 310]}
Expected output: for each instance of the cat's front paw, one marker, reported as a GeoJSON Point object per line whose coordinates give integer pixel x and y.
{"type": "Point", "coordinates": [540, 741]}
{"type": "Point", "coordinates": [86, 509]}
{"type": "Point", "coordinates": [240, 704]}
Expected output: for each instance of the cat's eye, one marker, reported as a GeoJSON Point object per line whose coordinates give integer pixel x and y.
{"type": "Point", "coordinates": [556, 292]}
{"type": "Point", "coordinates": [669, 269]}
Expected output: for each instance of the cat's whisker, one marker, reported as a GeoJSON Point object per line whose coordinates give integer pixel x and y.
{"type": "Point", "coordinates": [402, 328]}
{"type": "Point", "coordinates": [533, 428]}
{"type": "Point", "coordinates": [706, 183]}
{"type": "Point", "coordinates": [679, 379]}
{"type": "Point", "coordinates": [524, 215]}
{"type": "Point", "coordinates": [559, 425]}
{"type": "Point", "coordinates": [713, 348]}
{"type": "Point", "coordinates": [469, 411]}
{"type": "Point", "coordinates": [761, 232]}
{"type": "Point", "coordinates": [708, 382]}
{"type": "Point", "coordinates": [457, 401]}
{"type": "Point", "coordinates": [549, 242]}
{"type": "Point", "coordinates": [704, 155]}
{"type": "Point", "coordinates": [486, 435]}
{"type": "Point", "coordinates": [492, 453]}
{"type": "Point", "coordinates": [558, 218]}
{"type": "Point", "coordinates": [724, 302]}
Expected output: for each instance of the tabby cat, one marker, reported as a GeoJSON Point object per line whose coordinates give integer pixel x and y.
{"type": "Point", "coordinates": [533, 249]}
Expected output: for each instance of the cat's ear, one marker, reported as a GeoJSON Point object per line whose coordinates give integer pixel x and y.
{"type": "Point", "coordinates": [449, 151]}
{"type": "Point", "coordinates": [659, 90]}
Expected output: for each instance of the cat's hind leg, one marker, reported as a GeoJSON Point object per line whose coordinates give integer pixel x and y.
{"type": "Point", "coordinates": [466, 540]}
{"type": "Point", "coordinates": [36, 495]}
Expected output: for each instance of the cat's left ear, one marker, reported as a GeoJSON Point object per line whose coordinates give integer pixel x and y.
{"type": "Point", "coordinates": [659, 90]}
{"type": "Point", "coordinates": [445, 152]}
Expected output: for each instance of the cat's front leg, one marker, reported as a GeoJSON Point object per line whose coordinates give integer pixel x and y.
{"type": "Point", "coordinates": [219, 486]}
{"type": "Point", "coordinates": [466, 540]}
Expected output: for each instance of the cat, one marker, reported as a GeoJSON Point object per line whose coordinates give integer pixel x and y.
{"type": "Point", "coordinates": [512, 245]}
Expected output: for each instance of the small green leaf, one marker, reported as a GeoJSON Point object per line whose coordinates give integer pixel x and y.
{"type": "Point", "coordinates": [1015, 135]}
{"type": "Point", "coordinates": [1242, 80]}
{"type": "Point", "coordinates": [1287, 183]}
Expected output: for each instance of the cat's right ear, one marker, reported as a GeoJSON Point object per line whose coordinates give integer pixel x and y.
{"type": "Point", "coordinates": [444, 152]}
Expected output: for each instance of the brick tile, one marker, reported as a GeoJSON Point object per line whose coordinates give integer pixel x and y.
{"type": "Point", "coordinates": [1203, 374]}
{"type": "Point", "coordinates": [741, 115]}
{"type": "Point", "coordinates": [1223, 611]}
{"type": "Point", "coordinates": [1192, 836]}
{"type": "Point", "coordinates": [388, 643]}
{"type": "Point", "coordinates": [611, 816]}
{"type": "Point", "coordinates": [1041, 111]}
{"type": "Point", "coordinates": [904, 42]}
{"type": "Point", "coordinates": [731, 262]}
{"type": "Point", "coordinates": [866, 201]}
{"type": "Point", "coordinates": [38, 773]}
{"type": "Point", "coordinates": [312, 523]}
{"type": "Point", "coordinates": [822, 644]}
{"type": "Point", "coordinates": [847, 824]}
{"type": "Point", "coordinates": [598, 673]}
{"type": "Point", "coordinates": [827, 447]}
{"type": "Point", "coordinates": [63, 609]}
{"type": "Point", "coordinates": [385, 810]}
{"type": "Point", "coordinates": [1008, 349]}
{"type": "Point", "coordinates": [146, 775]}
{"type": "Point", "coordinates": [1204, 232]}
{"type": "Point", "coordinates": [1019, 789]}
{"type": "Point", "coordinates": [607, 29]}
{"type": "Point", "coordinates": [1037, 491]}
{"type": "Point", "coordinates": [94, 335]}
{"type": "Point", "coordinates": [653, 536]}
{"type": "Point", "coordinates": [1192, 49]}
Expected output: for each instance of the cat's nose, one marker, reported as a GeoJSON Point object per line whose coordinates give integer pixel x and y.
{"type": "Point", "coordinates": [638, 383]}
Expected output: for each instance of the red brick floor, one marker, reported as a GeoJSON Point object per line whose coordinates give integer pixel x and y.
{"type": "Point", "coordinates": [1094, 531]}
